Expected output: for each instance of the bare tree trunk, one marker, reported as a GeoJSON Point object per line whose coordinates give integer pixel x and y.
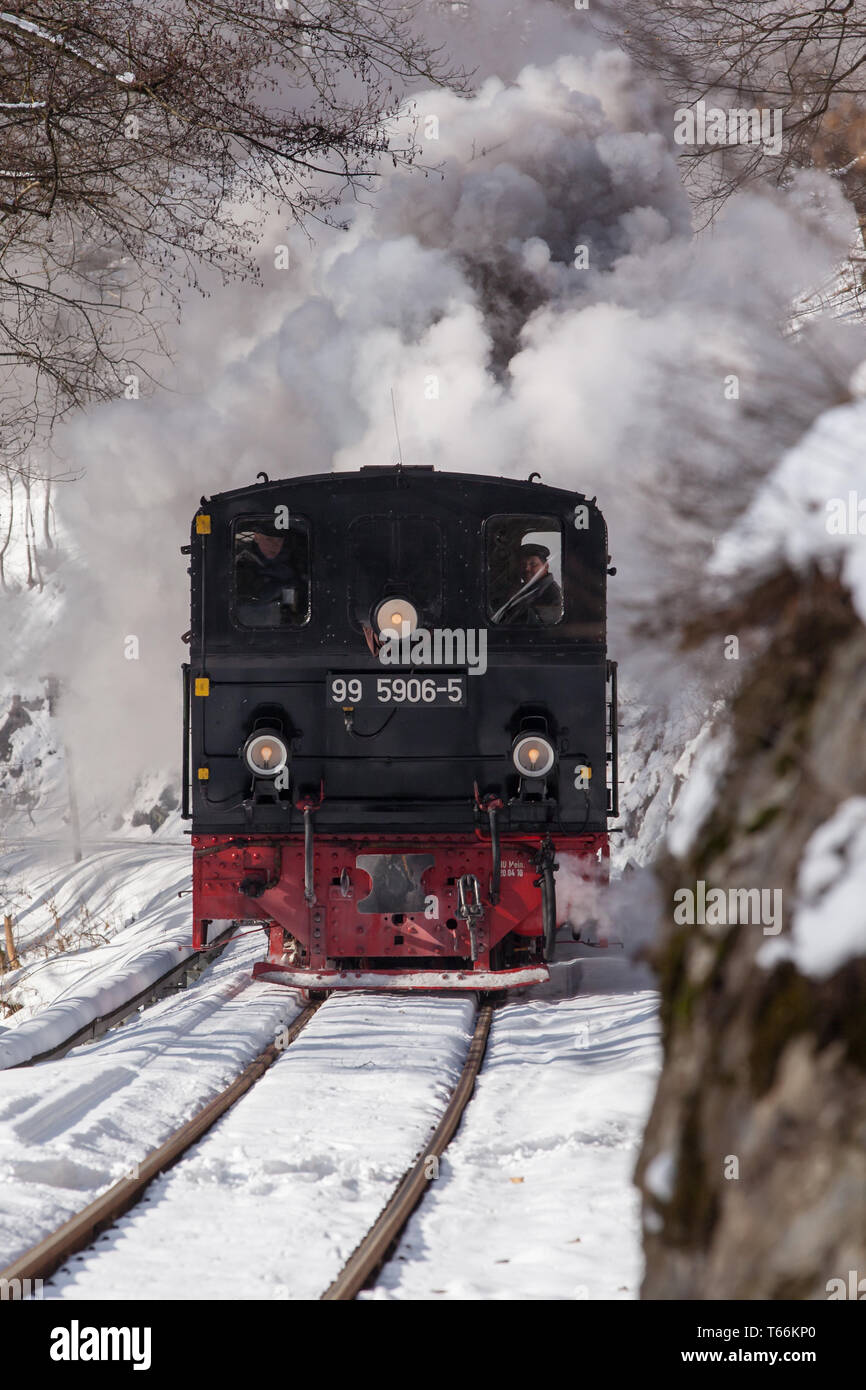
{"type": "Point", "coordinates": [34, 575]}
{"type": "Point", "coordinates": [74, 822]}
{"type": "Point", "coordinates": [6, 538]}
{"type": "Point", "coordinates": [28, 517]}
{"type": "Point", "coordinates": [10, 943]}
{"type": "Point", "coordinates": [47, 515]}
{"type": "Point", "coordinates": [9, 528]}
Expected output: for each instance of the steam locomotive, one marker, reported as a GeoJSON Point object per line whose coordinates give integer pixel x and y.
{"type": "Point", "coordinates": [399, 719]}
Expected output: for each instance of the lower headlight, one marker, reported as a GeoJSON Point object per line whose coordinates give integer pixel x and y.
{"type": "Point", "coordinates": [265, 753]}
{"type": "Point", "coordinates": [532, 756]}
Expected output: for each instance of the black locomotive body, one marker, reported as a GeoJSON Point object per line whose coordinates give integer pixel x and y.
{"type": "Point", "coordinates": [399, 718]}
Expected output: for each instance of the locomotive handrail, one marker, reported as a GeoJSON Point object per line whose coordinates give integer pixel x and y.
{"type": "Point", "coordinates": [613, 733]}
{"type": "Point", "coordinates": [184, 806]}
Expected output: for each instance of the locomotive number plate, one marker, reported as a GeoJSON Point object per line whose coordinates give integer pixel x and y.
{"type": "Point", "coordinates": [388, 691]}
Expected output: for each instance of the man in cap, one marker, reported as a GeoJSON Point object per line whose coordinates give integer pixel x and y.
{"type": "Point", "coordinates": [538, 601]}
{"type": "Point", "coordinates": [270, 590]}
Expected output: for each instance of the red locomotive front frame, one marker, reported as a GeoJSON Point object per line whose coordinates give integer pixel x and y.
{"type": "Point", "coordinates": [406, 912]}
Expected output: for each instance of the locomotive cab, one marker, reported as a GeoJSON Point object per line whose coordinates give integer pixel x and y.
{"type": "Point", "coordinates": [399, 723]}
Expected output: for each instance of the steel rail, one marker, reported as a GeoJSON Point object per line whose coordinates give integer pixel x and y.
{"type": "Point", "coordinates": [81, 1230]}
{"type": "Point", "coordinates": [98, 1027]}
{"type": "Point", "coordinates": [369, 1257]}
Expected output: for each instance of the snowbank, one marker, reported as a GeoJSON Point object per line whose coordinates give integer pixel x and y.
{"type": "Point", "coordinates": [829, 926]}
{"type": "Point", "coordinates": [812, 508]}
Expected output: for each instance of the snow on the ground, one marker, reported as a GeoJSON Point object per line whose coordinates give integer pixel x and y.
{"type": "Point", "coordinates": [122, 925]}
{"type": "Point", "coordinates": [829, 921]}
{"type": "Point", "coordinates": [270, 1204]}
{"type": "Point", "coordinates": [811, 508]}
{"type": "Point", "coordinates": [71, 1128]}
{"type": "Point", "coordinates": [115, 885]}
{"type": "Point", "coordinates": [534, 1198]}
{"type": "Point", "coordinates": [105, 979]}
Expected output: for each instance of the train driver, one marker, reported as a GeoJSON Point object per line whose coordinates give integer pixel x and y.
{"type": "Point", "coordinates": [271, 585]}
{"type": "Point", "coordinates": [538, 601]}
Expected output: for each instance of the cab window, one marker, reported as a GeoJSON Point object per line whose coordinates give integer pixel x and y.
{"type": "Point", "coordinates": [271, 566]}
{"type": "Point", "coordinates": [524, 571]}
{"type": "Point", "coordinates": [395, 557]}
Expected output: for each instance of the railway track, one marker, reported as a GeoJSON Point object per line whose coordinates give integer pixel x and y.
{"type": "Point", "coordinates": [177, 977]}
{"type": "Point", "coordinates": [82, 1229]}
{"type": "Point", "coordinates": [359, 1271]}
{"type": "Point", "coordinates": [366, 1261]}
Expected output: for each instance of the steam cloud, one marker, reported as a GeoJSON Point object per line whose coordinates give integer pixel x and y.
{"type": "Point", "coordinates": [460, 289]}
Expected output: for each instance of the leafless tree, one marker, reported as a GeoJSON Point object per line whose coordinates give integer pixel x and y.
{"type": "Point", "coordinates": [804, 58]}
{"type": "Point", "coordinates": [7, 516]}
{"type": "Point", "coordinates": [142, 141]}
{"type": "Point", "coordinates": [34, 574]}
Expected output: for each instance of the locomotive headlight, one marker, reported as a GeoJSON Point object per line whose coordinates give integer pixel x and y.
{"type": "Point", "coordinates": [265, 753]}
{"type": "Point", "coordinates": [393, 613]}
{"type": "Point", "coordinates": [532, 756]}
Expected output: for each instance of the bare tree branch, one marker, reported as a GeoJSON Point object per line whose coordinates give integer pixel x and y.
{"type": "Point", "coordinates": [130, 134]}
{"type": "Point", "coordinates": [805, 60]}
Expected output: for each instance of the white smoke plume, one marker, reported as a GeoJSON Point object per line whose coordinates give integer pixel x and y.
{"type": "Point", "coordinates": [537, 300]}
